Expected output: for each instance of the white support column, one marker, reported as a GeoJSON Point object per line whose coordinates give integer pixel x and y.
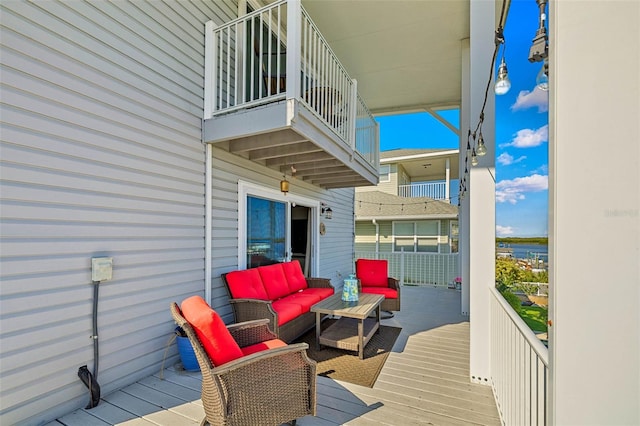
{"type": "Point", "coordinates": [594, 214]}
{"type": "Point", "coordinates": [481, 192]}
{"type": "Point", "coordinates": [447, 180]}
{"type": "Point", "coordinates": [465, 155]}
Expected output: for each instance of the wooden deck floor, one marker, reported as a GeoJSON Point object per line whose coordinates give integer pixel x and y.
{"type": "Point", "coordinates": [425, 380]}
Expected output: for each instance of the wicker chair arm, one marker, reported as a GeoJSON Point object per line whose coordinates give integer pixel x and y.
{"type": "Point", "coordinates": [251, 332]}
{"type": "Point", "coordinates": [265, 357]}
{"type": "Point", "coordinates": [253, 309]}
{"type": "Point", "coordinates": [394, 283]}
{"type": "Point", "coordinates": [319, 282]}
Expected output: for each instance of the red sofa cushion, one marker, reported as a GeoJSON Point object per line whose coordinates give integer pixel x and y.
{"type": "Point", "coordinates": [306, 301]}
{"type": "Point", "coordinates": [275, 283]}
{"type": "Point", "coordinates": [263, 346]}
{"type": "Point", "coordinates": [286, 310]}
{"type": "Point", "coordinates": [295, 277]}
{"type": "Point", "coordinates": [372, 273]}
{"type": "Point", "coordinates": [322, 292]}
{"type": "Point", "coordinates": [246, 285]}
{"type": "Point", "coordinates": [387, 292]}
{"type": "Point", "coordinates": [211, 330]}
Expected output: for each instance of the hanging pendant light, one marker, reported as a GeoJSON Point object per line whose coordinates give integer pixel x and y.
{"type": "Point", "coordinates": [503, 84]}
{"type": "Point", "coordinates": [284, 185]}
{"type": "Point", "coordinates": [542, 80]}
{"type": "Point", "coordinates": [481, 150]}
{"type": "Point", "coordinates": [474, 158]}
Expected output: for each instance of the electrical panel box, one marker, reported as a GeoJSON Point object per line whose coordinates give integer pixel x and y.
{"type": "Point", "coordinates": [101, 268]}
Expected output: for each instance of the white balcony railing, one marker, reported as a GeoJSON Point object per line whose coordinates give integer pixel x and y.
{"type": "Point", "coordinates": [436, 190]}
{"type": "Point", "coordinates": [418, 268]}
{"type": "Point", "coordinates": [519, 367]}
{"type": "Point", "coordinates": [277, 53]}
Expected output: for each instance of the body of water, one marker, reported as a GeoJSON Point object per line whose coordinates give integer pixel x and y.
{"type": "Point", "coordinates": [528, 251]}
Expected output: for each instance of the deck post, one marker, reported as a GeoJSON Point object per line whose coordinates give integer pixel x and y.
{"type": "Point", "coordinates": [294, 51]}
{"type": "Point", "coordinates": [210, 94]}
{"type": "Point", "coordinates": [479, 202]}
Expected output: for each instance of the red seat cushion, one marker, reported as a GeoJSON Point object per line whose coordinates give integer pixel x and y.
{"type": "Point", "coordinates": [211, 330]}
{"type": "Point", "coordinates": [246, 285]}
{"type": "Point", "coordinates": [274, 280]}
{"type": "Point", "coordinates": [387, 292]}
{"type": "Point", "coordinates": [286, 310]}
{"type": "Point", "coordinates": [295, 277]}
{"type": "Point", "coordinates": [322, 292]}
{"type": "Point", "coordinates": [263, 346]}
{"type": "Point", "coordinates": [306, 301]}
{"type": "Point", "coordinates": [372, 273]}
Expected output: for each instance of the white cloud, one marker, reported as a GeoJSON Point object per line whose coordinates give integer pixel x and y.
{"type": "Point", "coordinates": [513, 190]}
{"type": "Point", "coordinates": [506, 159]}
{"type": "Point", "coordinates": [503, 231]}
{"type": "Point", "coordinates": [528, 138]}
{"type": "Point", "coordinates": [535, 99]}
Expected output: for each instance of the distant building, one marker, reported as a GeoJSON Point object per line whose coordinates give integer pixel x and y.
{"type": "Point", "coordinates": [411, 208]}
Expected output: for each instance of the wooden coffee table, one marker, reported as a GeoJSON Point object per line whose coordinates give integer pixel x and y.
{"type": "Point", "coordinates": [354, 329]}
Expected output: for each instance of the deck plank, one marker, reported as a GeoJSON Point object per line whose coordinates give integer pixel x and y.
{"type": "Point", "coordinates": [425, 380]}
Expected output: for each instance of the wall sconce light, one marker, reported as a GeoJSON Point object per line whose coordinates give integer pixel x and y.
{"type": "Point", "coordinates": [284, 185]}
{"type": "Point", "coordinates": [326, 211]}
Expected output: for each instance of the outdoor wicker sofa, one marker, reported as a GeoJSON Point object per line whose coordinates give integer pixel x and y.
{"type": "Point", "coordinates": [373, 278]}
{"type": "Point", "coordinates": [268, 383]}
{"type": "Point", "coordinates": [279, 292]}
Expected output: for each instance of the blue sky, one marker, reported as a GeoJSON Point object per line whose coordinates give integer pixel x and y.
{"type": "Point", "coordinates": [521, 133]}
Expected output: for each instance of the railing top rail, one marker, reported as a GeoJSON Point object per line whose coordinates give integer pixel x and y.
{"type": "Point", "coordinates": [540, 349]}
{"type": "Point", "coordinates": [250, 15]}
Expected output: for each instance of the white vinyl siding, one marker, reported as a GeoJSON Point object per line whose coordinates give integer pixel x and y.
{"type": "Point", "coordinates": [101, 156]}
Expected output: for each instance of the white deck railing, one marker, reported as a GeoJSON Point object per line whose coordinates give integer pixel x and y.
{"type": "Point", "coordinates": [418, 268]}
{"type": "Point", "coordinates": [277, 53]}
{"type": "Point", "coordinates": [436, 190]}
{"type": "Point", "coordinates": [519, 367]}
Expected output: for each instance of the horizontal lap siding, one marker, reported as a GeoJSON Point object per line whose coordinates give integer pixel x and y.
{"type": "Point", "coordinates": [101, 156]}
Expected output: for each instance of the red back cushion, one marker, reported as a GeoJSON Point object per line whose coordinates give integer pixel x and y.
{"type": "Point", "coordinates": [295, 277]}
{"type": "Point", "coordinates": [372, 273]}
{"type": "Point", "coordinates": [275, 283]}
{"type": "Point", "coordinates": [211, 330]}
{"type": "Point", "coordinates": [246, 285]}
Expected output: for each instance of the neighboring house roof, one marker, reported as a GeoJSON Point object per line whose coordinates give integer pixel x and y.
{"type": "Point", "coordinates": [380, 205]}
{"type": "Point", "coordinates": [401, 154]}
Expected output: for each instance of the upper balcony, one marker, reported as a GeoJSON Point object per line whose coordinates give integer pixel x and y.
{"type": "Point", "coordinates": [275, 93]}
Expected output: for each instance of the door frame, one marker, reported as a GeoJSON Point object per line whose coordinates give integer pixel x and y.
{"type": "Point", "coordinates": [246, 188]}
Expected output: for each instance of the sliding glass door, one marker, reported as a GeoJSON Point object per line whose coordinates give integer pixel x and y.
{"type": "Point", "coordinates": [276, 228]}
{"type": "Point", "coordinates": [267, 240]}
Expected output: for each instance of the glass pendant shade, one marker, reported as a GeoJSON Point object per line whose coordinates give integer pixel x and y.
{"type": "Point", "coordinates": [542, 80]}
{"type": "Point", "coordinates": [482, 150]}
{"type": "Point", "coordinates": [474, 158]}
{"type": "Point", "coordinates": [503, 84]}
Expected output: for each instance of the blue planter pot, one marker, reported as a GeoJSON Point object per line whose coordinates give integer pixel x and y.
{"type": "Point", "coordinates": [187, 355]}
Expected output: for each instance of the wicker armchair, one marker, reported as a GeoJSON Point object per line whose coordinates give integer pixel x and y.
{"type": "Point", "coordinates": [270, 387]}
{"type": "Point", "coordinates": [373, 278]}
